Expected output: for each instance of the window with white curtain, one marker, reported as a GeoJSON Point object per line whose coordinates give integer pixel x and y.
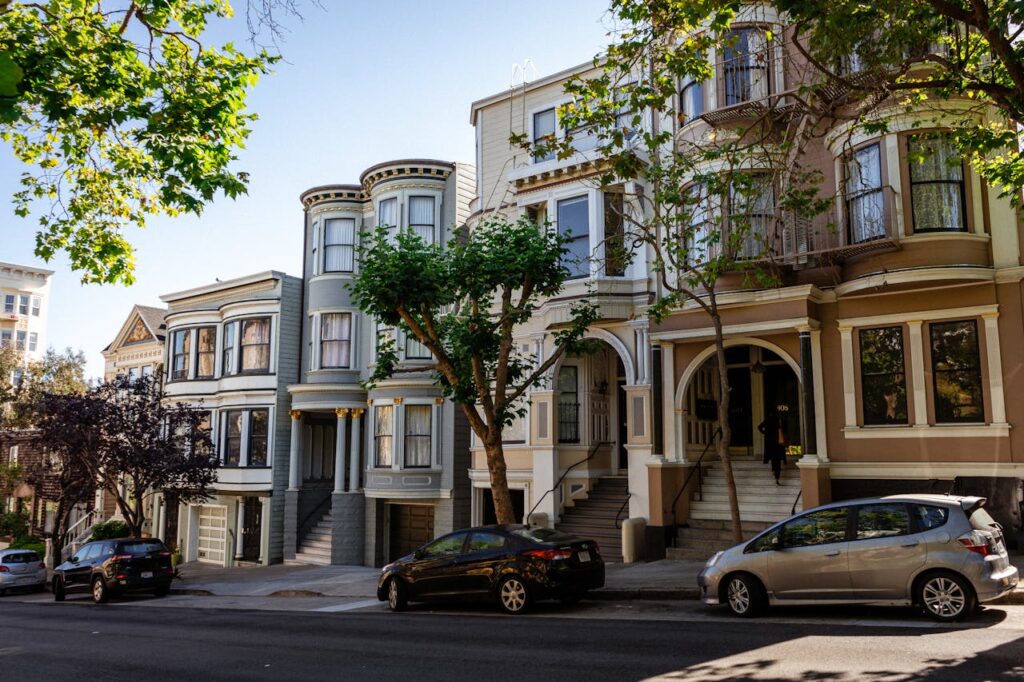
{"type": "Point", "coordinates": [339, 244]}
{"type": "Point", "coordinates": [335, 340]}
{"type": "Point", "coordinates": [414, 350]}
{"type": "Point", "coordinates": [387, 216]}
{"type": "Point", "coordinates": [228, 360]}
{"type": "Point", "coordinates": [421, 217]}
{"type": "Point", "coordinates": [256, 345]}
{"type": "Point", "coordinates": [383, 435]}
{"type": "Point", "coordinates": [745, 68]}
{"type": "Point", "coordinates": [865, 207]}
{"type": "Point", "coordinates": [417, 435]}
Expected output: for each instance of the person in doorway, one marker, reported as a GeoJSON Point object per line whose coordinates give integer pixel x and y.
{"type": "Point", "coordinates": [773, 428]}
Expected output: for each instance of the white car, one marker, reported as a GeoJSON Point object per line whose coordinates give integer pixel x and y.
{"type": "Point", "coordinates": [21, 568]}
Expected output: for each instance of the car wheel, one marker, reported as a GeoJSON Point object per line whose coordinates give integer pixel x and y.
{"type": "Point", "coordinates": [58, 589]}
{"type": "Point", "coordinates": [398, 596]}
{"type": "Point", "coordinates": [945, 597]}
{"type": "Point", "coordinates": [99, 590]}
{"type": "Point", "coordinates": [744, 595]}
{"type": "Point", "coordinates": [514, 595]}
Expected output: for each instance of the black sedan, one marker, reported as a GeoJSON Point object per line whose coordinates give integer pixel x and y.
{"type": "Point", "coordinates": [515, 565]}
{"type": "Point", "coordinates": [108, 567]}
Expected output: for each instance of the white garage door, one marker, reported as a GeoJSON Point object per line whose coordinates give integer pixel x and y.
{"type": "Point", "coordinates": [212, 534]}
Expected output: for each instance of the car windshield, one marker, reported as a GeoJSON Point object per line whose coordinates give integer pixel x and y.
{"type": "Point", "coordinates": [542, 535]}
{"type": "Point", "coordinates": [141, 547]}
{"type": "Point", "coordinates": [22, 558]}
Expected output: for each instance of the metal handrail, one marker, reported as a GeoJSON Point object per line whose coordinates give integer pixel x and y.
{"type": "Point", "coordinates": [618, 522]}
{"type": "Point", "coordinates": [319, 508]}
{"type": "Point", "coordinates": [590, 456]}
{"type": "Point", "coordinates": [686, 482]}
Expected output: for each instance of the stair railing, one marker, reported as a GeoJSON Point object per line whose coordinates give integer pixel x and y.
{"type": "Point", "coordinates": [590, 455]}
{"type": "Point", "coordinates": [796, 502]}
{"type": "Point", "coordinates": [79, 533]}
{"type": "Point", "coordinates": [618, 520]}
{"type": "Point", "coordinates": [686, 482]}
{"type": "Point", "coordinates": [306, 524]}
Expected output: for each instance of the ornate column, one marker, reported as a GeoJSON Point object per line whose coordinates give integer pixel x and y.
{"type": "Point", "coordinates": [295, 463]}
{"type": "Point", "coordinates": [809, 433]}
{"type": "Point", "coordinates": [339, 449]}
{"type": "Point", "coordinates": [355, 460]}
{"type": "Point", "coordinates": [672, 449]}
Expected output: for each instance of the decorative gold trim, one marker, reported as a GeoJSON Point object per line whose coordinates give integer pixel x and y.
{"type": "Point", "coordinates": [341, 412]}
{"type": "Point", "coordinates": [439, 401]}
{"type": "Point", "coordinates": [397, 401]}
{"type": "Point", "coordinates": [295, 414]}
{"type": "Point", "coordinates": [357, 412]}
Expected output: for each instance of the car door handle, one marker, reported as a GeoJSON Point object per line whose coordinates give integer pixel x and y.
{"type": "Point", "coordinates": [909, 544]}
{"type": "Point", "coordinates": [834, 552]}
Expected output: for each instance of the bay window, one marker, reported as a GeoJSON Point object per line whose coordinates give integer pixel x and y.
{"type": "Point", "coordinates": [574, 227]}
{"type": "Point", "coordinates": [956, 372]}
{"type": "Point", "coordinates": [544, 126]}
{"type": "Point", "coordinates": [233, 438]}
{"type": "Point", "coordinates": [883, 376]}
{"type": "Point", "coordinates": [387, 216]}
{"type": "Point", "coordinates": [414, 350]}
{"type": "Point", "coordinates": [418, 420]}
{"type": "Point", "coordinates": [255, 345]}
{"type": "Point", "coordinates": [614, 234]}
{"type": "Point", "coordinates": [751, 214]}
{"type": "Point", "coordinates": [865, 207]}
{"type": "Point", "coordinates": [339, 244]}
{"type": "Point", "coordinates": [421, 218]}
{"type": "Point", "coordinates": [936, 185]}
{"type": "Point", "coordinates": [383, 435]}
{"type": "Point", "coordinates": [258, 427]}
{"type": "Point", "coordinates": [335, 340]}
{"type": "Point", "coordinates": [206, 352]}
{"type": "Point", "coordinates": [746, 66]}
{"type": "Point", "coordinates": [181, 347]}
{"type": "Point", "coordinates": [691, 99]}
{"type": "Point", "coordinates": [703, 214]}
{"type": "Point", "coordinates": [228, 366]}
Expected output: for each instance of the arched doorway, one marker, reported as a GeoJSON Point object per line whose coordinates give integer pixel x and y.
{"type": "Point", "coordinates": [764, 392]}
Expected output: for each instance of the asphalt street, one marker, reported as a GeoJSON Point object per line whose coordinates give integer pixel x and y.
{"type": "Point", "coordinates": [199, 638]}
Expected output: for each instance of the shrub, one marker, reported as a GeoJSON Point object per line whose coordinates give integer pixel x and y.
{"type": "Point", "coordinates": [13, 524]}
{"type": "Point", "coordinates": [109, 530]}
{"type": "Point", "coordinates": [30, 543]}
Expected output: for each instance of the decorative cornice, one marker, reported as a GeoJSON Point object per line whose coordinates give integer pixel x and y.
{"type": "Point", "coordinates": [389, 170]}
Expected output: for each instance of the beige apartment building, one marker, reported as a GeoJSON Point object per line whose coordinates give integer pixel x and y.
{"type": "Point", "coordinates": [887, 359]}
{"type": "Point", "coordinates": [24, 297]}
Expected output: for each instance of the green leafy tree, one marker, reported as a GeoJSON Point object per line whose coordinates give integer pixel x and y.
{"type": "Point", "coordinates": [121, 112]}
{"type": "Point", "coordinates": [23, 385]}
{"type": "Point", "coordinates": [463, 301]}
{"type": "Point", "coordinates": [709, 211]}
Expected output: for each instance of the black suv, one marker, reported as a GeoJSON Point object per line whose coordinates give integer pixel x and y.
{"type": "Point", "coordinates": [110, 567]}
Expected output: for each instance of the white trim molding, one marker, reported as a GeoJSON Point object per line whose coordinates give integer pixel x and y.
{"type": "Point", "coordinates": [928, 431]}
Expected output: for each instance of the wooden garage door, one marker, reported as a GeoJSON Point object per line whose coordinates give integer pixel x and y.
{"type": "Point", "coordinates": [412, 525]}
{"type": "Point", "coordinates": [212, 534]}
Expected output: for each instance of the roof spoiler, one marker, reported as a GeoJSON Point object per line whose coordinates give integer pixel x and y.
{"type": "Point", "coordinates": [970, 504]}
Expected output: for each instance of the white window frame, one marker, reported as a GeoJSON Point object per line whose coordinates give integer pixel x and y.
{"type": "Point", "coordinates": [354, 355]}
{"type": "Point", "coordinates": [37, 305]}
{"type": "Point", "coordinates": [12, 454]}
{"type": "Point", "coordinates": [402, 197]}
{"type": "Point", "coordinates": [10, 303]}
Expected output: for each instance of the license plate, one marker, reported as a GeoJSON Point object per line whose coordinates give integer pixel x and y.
{"type": "Point", "coordinates": [584, 557]}
{"type": "Point", "coordinates": [147, 574]}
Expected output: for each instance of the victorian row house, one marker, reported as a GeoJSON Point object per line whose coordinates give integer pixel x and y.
{"type": "Point", "coordinates": [880, 362]}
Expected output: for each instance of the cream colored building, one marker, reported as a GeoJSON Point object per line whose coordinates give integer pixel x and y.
{"type": "Point", "coordinates": [138, 349]}
{"type": "Point", "coordinates": [24, 303]}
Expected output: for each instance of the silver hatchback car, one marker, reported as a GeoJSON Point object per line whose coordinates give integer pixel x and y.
{"type": "Point", "coordinates": [21, 568]}
{"type": "Point", "coordinates": [943, 553]}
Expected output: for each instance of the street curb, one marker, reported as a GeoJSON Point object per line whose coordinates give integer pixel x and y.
{"type": "Point", "coordinates": [191, 592]}
{"type": "Point", "coordinates": [1015, 598]}
{"type": "Point", "coordinates": [659, 594]}
{"type": "Point", "coordinates": [298, 593]}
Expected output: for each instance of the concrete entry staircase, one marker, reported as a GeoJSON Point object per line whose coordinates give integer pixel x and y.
{"type": "Point", "coordinates": [762, 503]}
{"type": "Point", "coordinates": [593, 518]}
{"type": "Point", "coordinates": [315, 547]}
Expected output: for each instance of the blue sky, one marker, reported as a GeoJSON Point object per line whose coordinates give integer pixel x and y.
{"type": "Point", "coordinates": [363, 82]}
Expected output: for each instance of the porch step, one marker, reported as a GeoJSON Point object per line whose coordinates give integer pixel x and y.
{"type": "Point", "coordinates": [593, 517]}
{"type": "Point", "coordinates": [315, 545]}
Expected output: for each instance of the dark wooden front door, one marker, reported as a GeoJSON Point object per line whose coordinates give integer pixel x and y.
{"type": "Point", "coordinates": [171, 528]}
{"type": "Point", "coordinates": [412, 525]}
{"type": "Point", "coordinates": [251, 529]}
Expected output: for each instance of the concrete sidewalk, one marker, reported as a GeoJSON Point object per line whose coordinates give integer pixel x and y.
{"type": "Point", "coordinates": [662, 580]}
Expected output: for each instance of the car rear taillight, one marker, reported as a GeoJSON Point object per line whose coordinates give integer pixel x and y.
{"type": "Point", "coordinates": [122, 557]}
{"type": "Point", "coordinates": [549, 554]}
{"type": "Point", "coordinates": [4, 569]}
{"type": "Point", "coordinates": [975, 542]}
{"type": "Point", "coordinates": [42, 565]}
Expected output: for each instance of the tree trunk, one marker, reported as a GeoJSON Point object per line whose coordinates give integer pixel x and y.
{"type": "Point", "coordinates": [60, 529]}
{"type": "Point", "coordinates": [499, 483]}
{"type": "Point", "coordinates": [726, 433]}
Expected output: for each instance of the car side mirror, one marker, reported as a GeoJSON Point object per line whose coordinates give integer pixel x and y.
{"type": "Point", "coordinates": [418, 554]}
{"type": "Point", "coordinates": [73, 560]}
